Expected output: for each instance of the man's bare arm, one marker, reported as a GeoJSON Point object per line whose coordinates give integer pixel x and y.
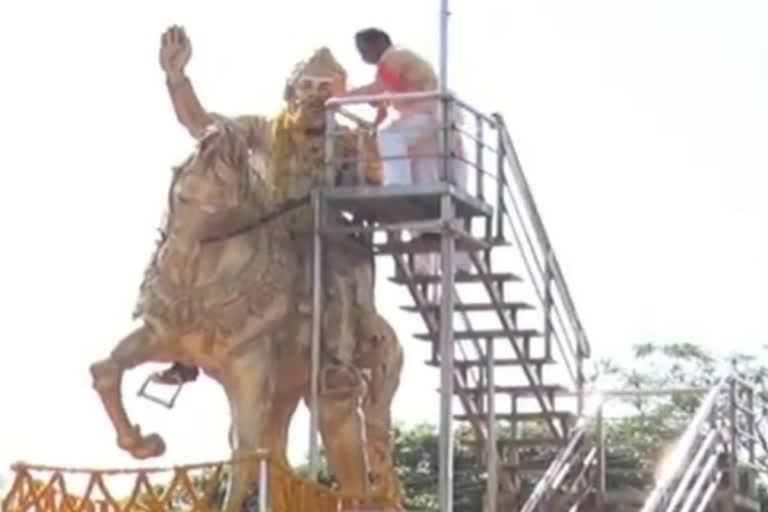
{"type": "Point", "coordinates": [175, 52]}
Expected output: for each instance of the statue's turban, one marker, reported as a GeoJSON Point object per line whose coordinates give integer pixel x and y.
{"type": "Point", "coordinates": [322, 63]}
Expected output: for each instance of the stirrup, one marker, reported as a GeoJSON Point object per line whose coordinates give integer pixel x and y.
{"type": "Point", "coordinates": [157, 399]}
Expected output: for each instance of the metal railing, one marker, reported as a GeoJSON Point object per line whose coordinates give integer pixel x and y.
{"type": "Point", "coordinates": [571, 474]}
{"type": "Point", "coordinates": [561, 319]}
{"type": "Point", "coordinates": [476, 155]}
{"type": "Point", "coordinates": [722, 436]}
{"type": "Point", "coordinates": [490, 171]}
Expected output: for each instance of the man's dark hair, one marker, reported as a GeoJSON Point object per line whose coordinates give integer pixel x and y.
{"type": "Point", "coordinates": [373, 36]}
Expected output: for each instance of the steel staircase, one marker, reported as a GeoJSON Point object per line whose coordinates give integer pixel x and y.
{"type": "Point", "coordinates": [514, 328]}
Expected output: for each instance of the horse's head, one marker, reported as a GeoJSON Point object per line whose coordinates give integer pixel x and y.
{"type": "Point", "coordinates": [216, 184]}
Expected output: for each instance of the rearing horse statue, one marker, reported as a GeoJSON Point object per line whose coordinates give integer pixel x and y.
{"type": "Point", "coordinates": [228, 304]}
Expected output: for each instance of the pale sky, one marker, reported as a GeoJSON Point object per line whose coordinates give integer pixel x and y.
{"type": "Point", "coordinates": [640, 125]}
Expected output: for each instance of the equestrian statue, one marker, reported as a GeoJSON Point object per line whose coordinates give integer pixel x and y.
{"type": "Point", "coordinates": [228, 289]}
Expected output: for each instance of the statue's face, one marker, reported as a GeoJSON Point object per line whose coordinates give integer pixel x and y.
{"type": "Point", "coordinates": [310, 92]}
{"type": "Point", "coordinates": [309, 87]}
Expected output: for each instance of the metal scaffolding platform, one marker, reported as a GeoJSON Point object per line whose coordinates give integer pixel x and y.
{"type": "Point", "coordinates": [504, 332]}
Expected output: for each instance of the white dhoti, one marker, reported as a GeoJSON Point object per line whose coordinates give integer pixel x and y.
{"type": "Point", "coordinates": [409, 147]}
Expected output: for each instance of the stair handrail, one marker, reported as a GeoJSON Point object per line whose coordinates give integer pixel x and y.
{"type": "Point", "coordinates": [722, 429]}
{"type": "Point", "coordinates": [566, 459]}
{"type": "Point", "coordinates": [551, 270]}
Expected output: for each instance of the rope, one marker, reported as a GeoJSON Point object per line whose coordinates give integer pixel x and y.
{"type": "Point", "coordinates": [284, 207]}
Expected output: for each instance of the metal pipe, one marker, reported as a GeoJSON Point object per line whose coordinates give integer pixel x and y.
{"type": "Point", "coordinates": [473, 136]}
{"type": "Point", "coordinates": [500, 182]}
{"type": "Point", "coordinates": [709, 493]}
{"type": "Point", "coordinates": [442, 84]}
{"type": "Point", "coordinates": [330, 146]}
{"type": "Point", "coordinates": [479, 192]}
{"type": "Point", "coordinates": [445, 458]}
{"type": "Point", "coordinates": [492, 463]}
{"type": "Point", "coordinates": [733, 475]}
{"type": "Point", "coordinates": [444, 139]}
{"type": "Point", "coordinates": [376, 98]}
{"type": "Point", "coordinates": [554, 469]}
{"type": "Point", "coordinates": [317, 325]}
{"type": "Point", "coordinates": [752, 424]}
{"type": "Point", "coordinates": [458, 102]}
{"type": "Point", "coordinates": [360, 167]}
{"type": "Point", "coordinates": [431, 226]}
{"type": "Point", "coordinates": [263, 485]}
{"type": "Point", "coordinates": [693, 467]}
{"type": "Point", "coordinates": [631, 393]}
{"type": "Point", "coordinates": [443, 68]}
{"type": "Point", "coordinates": [601, 456]}
{"type": "Point", "coordinates": [548, 305]}
{"type": "Point", "coordinates": [696, 490]}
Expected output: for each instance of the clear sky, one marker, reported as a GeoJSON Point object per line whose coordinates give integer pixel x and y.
{"type": "Point", "coordinates": [641, 126]}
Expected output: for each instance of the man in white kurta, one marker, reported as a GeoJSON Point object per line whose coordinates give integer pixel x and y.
{"type": "Point", "coordinates": [409, 144]}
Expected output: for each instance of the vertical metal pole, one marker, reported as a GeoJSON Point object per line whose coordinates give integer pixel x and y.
{"type": "Point", "coordinates": [479, 150]}
{"type": "Point", "coordinates": [733, 474]}
{"type": "Point", "coordinates": [445, 458]}
{"type": "Point", "coordinates": [601, 458]}
{"type": "Point", "coordinates": [330, 146]}
{"type": "Point", "coordinates": [362, 163]}
{"type": "Point", "coordinates": [492, 487]}
{"type": "Point", "coordinates": [500, 181]}
{"type": "Point", "coordinates": [548, 301]}
{"type": "Point", "coordinates": [752, 424]}
{"type": "Point", "coordinates": [317, 293]}
{"type": "Point", "coordinates": [263, 484]}
{"type": "Point", "coordinates": [443, 70]}
{"type": "Point", "coordinates": [317, 326]}
{"type": "Point", "coordinates": [447, 250]}
{"type": "Point", "coordinates": [513, 452]}
{"type": "Point", "coordinates": [580, 355]}
{"type": "Point", "coordinates": [443, 90]}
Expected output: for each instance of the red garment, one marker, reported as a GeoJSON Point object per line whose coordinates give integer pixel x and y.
{"type": "Point", "coordinates": [391, 79]}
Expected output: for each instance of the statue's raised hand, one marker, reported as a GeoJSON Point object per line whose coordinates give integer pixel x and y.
{"type": "Point", "coordinates": [175, 50]}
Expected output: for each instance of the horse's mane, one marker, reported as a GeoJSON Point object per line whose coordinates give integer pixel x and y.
{"type": "Point", "coordinates": [223, 141]}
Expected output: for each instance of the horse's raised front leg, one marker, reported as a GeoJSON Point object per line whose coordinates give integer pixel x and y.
{"type": "Point", "coordinates": [136, 348]}
{"type": "Point", "coordinates": [250, 389]}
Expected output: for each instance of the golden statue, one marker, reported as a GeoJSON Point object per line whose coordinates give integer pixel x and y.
{"type": "Point", "coordinates": [230, 295]}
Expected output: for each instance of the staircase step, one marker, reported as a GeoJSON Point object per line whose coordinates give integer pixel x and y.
{"type": "Point", "coordinates": [461, 277]}
{"type": "Point", "coordinates": [432, 245]}
{"type": "Point", "coordinates": [477, 334]}
{"type": "Point", "coordinates": [470, 306]}
{"type": "Point", "coordinates": [466, 363]}
{"type": "Point", "coordinates": [502, 443]}
{"type": "Point", "coordinates": [520, 391]}
{"type": "Point", "coordinates": [519, 417]}
{"type": "Point", "coordinates": [532, 442]}
{"type": "Point", "coordinates": [528, 466]}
